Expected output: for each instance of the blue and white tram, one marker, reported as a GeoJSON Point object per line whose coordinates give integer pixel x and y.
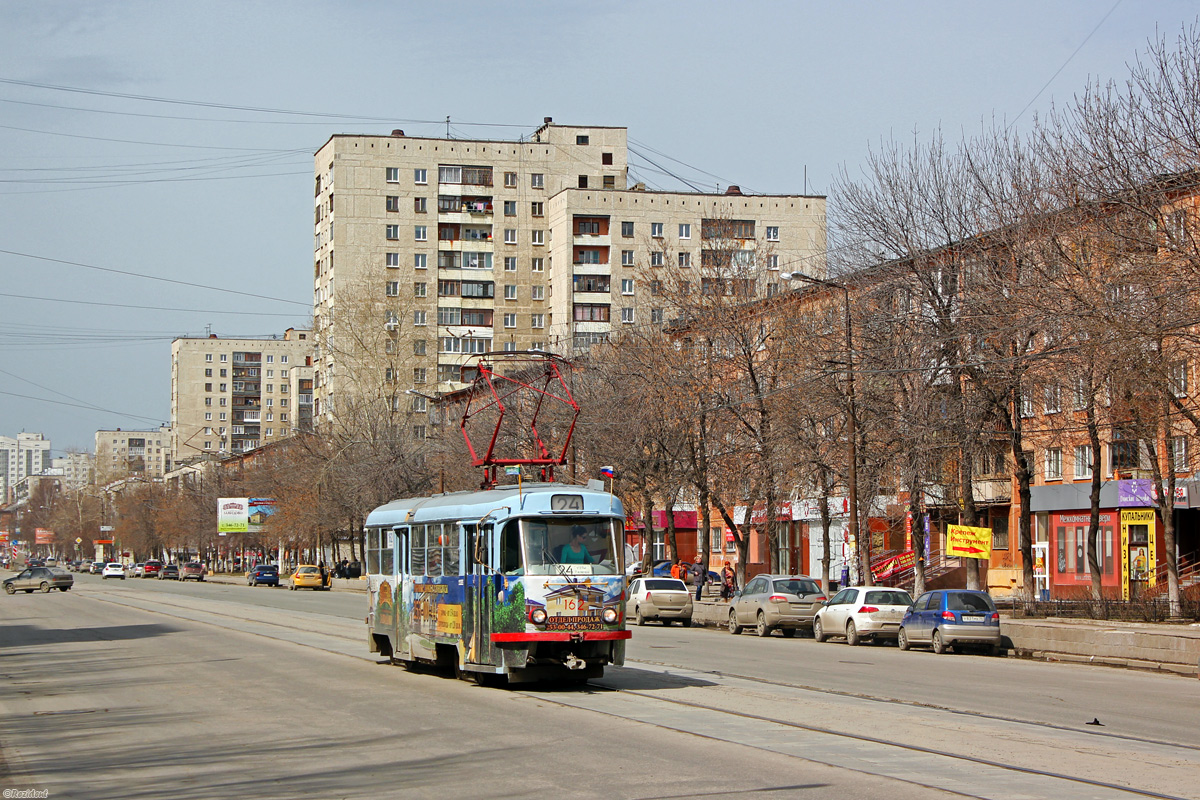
{"type": "Point", "coordinates": [526, 582]}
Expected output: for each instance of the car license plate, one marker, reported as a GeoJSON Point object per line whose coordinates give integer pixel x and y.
{"type": "Point", "coordinates": [972, 617]}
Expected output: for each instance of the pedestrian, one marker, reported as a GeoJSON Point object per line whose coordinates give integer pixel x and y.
{"type": "Point", "coordinates": [324, 575]}
{"type": "Point", "coordinates": [674, 570]}
{"type": "Point", "coordinates": [728, 582]}
{"type": "Point", "coordinates": [701, 576]}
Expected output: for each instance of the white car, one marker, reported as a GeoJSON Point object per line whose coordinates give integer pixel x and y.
{"type": "Point", "coordinates": [662, 599]}
{"type": "Point", "coordinates": [113, 569]}
{"type": "Point", "coordinates": [862, 612]}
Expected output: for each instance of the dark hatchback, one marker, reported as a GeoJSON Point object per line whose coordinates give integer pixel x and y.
{"type": "Point", "coordinates": [169, 572]}
{"type": "Point", "coordinates": [41, 579]}
{"type": "Point", "coordinates": [263, 574]}
{"type": "Point", "coordinates": [952, 618]}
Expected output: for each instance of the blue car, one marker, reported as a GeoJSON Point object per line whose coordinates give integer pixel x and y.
{"type": "Point", "coordinates": [662, 569]}
{"type": "Point", "coordinates": [951, 618]}
{"type": "Point", "coordinates": [263, 574]}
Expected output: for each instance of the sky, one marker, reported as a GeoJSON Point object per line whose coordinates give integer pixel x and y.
{"type": "Point", "coordinates": [156, 157]}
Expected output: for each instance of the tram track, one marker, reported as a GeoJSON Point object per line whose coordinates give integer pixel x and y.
{"type": "Point", "coordinates": [706, 712]}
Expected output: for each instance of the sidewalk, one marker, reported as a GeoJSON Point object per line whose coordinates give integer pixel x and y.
{"type": "Point", "coordinates": [1166, 647]}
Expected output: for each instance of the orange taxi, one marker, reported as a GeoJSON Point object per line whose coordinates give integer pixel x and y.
{"type": "Point", "coordinates": [308, 576]}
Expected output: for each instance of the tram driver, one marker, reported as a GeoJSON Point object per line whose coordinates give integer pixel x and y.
{"type": "Point", "coordinates": [575, 551]}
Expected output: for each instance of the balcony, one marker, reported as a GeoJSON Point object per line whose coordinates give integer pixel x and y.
{"type": "Point", "coordinates": [592, 240]}
{"type": "Point", "coordinates": [990, 491]}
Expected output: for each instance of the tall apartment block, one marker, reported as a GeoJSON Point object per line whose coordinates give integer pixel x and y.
{"type": "Point", "coordinates": [77, 469]}
{"type": "Point", "coordinates": [133, 454]}
{"type": "Point", "coordinates": [21, 456]}
{"type": "Point", "coordinates": [622, 258]}
{"type": "Point", "coordinates": [430, 251]}
{"type": "Point", "coordinates": [230, 396]}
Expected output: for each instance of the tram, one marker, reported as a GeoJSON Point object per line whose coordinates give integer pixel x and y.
{"type": "Point", "coordinates": [519, 583]}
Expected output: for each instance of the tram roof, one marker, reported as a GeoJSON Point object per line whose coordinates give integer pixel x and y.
{"type": "Point", "coordinates": [478, 503]}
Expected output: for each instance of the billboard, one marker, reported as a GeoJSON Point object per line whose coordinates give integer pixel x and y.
{"type": "Point", "coordinates": [963, 541]}
{"type": "Point", "coordinates": [43, 536]}
{"type": "Point", "coordinates": [243, 514]}
{"type": "Point", "coordinates": [233, 514]}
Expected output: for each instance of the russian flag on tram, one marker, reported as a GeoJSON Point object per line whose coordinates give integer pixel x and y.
{"type": "Point", "coordinates": [606, 472]}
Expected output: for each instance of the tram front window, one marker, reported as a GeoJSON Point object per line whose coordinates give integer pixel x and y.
{"type": "Point", "coordinates": [570, 546]}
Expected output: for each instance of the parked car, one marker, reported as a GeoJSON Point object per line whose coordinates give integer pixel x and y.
{"type": "Point", "coordinates": [662, 599]}
{"type": "Point", "coordinates": [113, 569]}
{"type": "Point", "coordinates": [192, 570]}
{"type": "Point", "coordinates": [40, 578]}
{"type": "Point", "coordinates": [948, 618]}
{"type": "Point", "coordinates": [139, 570]}
{"type": "Point", "coordinates": [662, 569]}
{"type": "Point", "coordinates": [169, 572]}
{"type": "Point", "coordinates": [267, 574]}
{"type": "Point", "coordinates": [769, 602]}
{"type": "Point", "coordinates": [862, 613]}
{"type": "Point", "coordinates": [96, 568]}
{"type": "Point", "coordinates": [150, 568]}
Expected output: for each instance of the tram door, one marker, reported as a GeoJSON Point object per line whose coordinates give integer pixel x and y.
{"type": "Point", "coordinates": [482, 591]}
{"type": "Point", "coordinates": [401, 575]}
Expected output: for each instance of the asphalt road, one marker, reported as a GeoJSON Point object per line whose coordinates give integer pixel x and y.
{"type": "Point", "coordinates": [147, 688]}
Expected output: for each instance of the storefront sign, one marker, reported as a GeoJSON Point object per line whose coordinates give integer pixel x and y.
{"type": "Point", "coordinates": [963, 541]}
{"type": "Point", "coordinates": [1143, 493]}
{"type": "Point", "coordinates": [891, 566]}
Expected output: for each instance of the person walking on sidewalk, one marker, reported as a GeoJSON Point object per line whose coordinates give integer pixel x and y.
{"type": "Point", "coordinates": [701, 577]}
{"type": "Point", "coordinates": [728, 582]}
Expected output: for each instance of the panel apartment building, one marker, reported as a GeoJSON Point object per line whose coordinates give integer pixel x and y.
{"type": "Point", "coordinates": [128, 454]}
{"type": "Point", "coordinates": [229, 396]}
{"type": "Point", "coordinates": [21, 456]}
{"type": "Point", "coordinates": [430, 251]}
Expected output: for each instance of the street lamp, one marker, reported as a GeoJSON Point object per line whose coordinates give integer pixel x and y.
{"type": "Point", "coordinates": [851, 422]}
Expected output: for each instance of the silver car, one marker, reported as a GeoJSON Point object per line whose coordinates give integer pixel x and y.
{"type": "Point", "coordinates": [41, 579]}
{"type": "Point", "coordinates": [862, 613]}
{"type": "Point", "coordinates": [769, 602]}
{"type": "Point", "coordinates": [663, 599]}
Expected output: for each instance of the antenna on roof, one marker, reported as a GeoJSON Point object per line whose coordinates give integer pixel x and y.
{"type": "Point", "coordinates": [447, 127]}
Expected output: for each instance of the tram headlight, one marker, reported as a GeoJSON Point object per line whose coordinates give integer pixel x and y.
{"type": "Point", "coordinates": [538, 616]}
{"type": "Point", "coordinates": [610, 616]}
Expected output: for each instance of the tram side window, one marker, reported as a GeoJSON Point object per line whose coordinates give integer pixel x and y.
{"type": "Point", "coordinates": [418, 549]}
{"type": "Point", "coordinates": [450, 549]}
{"type": "Point", "coordinates": [372, 551]}
{"type": "Point", "coordinates": [435, 538]}
{"type": "Point", "coordinates": [386, 551]}
{"type": "Point", "coordinates": [510, 549]}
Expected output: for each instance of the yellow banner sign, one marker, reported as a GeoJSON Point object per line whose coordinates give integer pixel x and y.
{"type": "Point", "coordinates": [963, 541]}
{"type": "Point", "coordinates": [449, 619]}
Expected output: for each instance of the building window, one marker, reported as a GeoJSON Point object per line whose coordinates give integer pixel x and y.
{"type": "Point", "coordinates": [510, 320]}
{"type": "Point", "coordinates": [1026, 406]}
{"type": "Point", "coordinates": [685, 230]}
{"type": "Point", "coordinates": [420, 261]}
{"type": "Point", "coordinates": [419, 374]}
{"type": "Point", "coordinates": [627, 315]}
{"type": "Point", "coordinates": [656, 259]}
{"type": "Point", "coordinates": [224, 387]}
{"type": "Point", "coordinates": [537, 209]}
{"type": "Point", "coordinates": [581, 139]}
{"type": "Point", "coordinates": [655, 288]}
{"type": "Point", "coordinates": [1083, 461]}
{"type": "Point", "coordinates": [537, 265]}
{"type": "Point", "coordinates": [537, 293]}
{"type": "Point", "coordinates": [1178, 378]}
{"type": "Point", "coordinates": [627, 230]}
{"type": "Point", "coordinates": [208, 416]}
{"type": "Point", "coordinates": [418, 347]}
{"type": "Point", "coordinates": [537, 320]}
{"type": "Point", "coordinates": [421, 233]}
{"type": "Point", "coordinates": [208, 401]}
{"type": "Point", "coordinates": [656, 316]}
{"type": "Point", "coordinates": [610, 182]}
{"type": "Point", "coordinates": [392, 202]}
{"type": "Point", "coordinates": [420, 205]}
{"type": "Point", "coordinates": [393, 232]}
{"type": "Point", "coordinates": [419, 404]}
{"type": "Point", "coordinates": [510, 263]}
{"type": "Point", "coordinates": [537, 180]}
{"type": "Point", "coordinates": [208, 356]}
{"type": "Point", "coordinates": [626, 285]}
{"type": "Point", "coordinates": [539, 237]}
{"type": "Point", "coordinates": [510, 291]}
{"type": "Point", "coordinates": [685, 259]}
{"type": "Point", "coordinates": [773, 261]}
{"type": "Point", "coordinates": [392, 260]}
{"type": "Point", "coordinates": [1177, 451]}
{"type": "Point", "coordinates": [656, 230]}
{"type": "Point", "coordinates": [392, 289]}
{"type": "Point", "coordinates": [419, 289]}
{"type": "Point", "coordinates": [1052, 399]}
{"type": "Point", "coordinates": [419, 318]}
{"type": "Point", "coordinates": [510, 208]}
{"type": "Point", "coordinates": [1124, 451]}
{"type": "Point", "coordinates": [510, 235]}
{"type": "Point", "coordinates": [510, 180]}
{"type": "Point", "coordinates": [208, 373]}
{"type": "Point", "coordinates": [606, 159]}
{"type": "Point", "coordinates": [393, 174]}
{"type": "Point", "coordinates": [1054, 464]}
{"type": "Point", "coordinates": [208, 387]}
{"type": "Point", "coordinates": [419, 176]}
{"type": "Point", "coordinates": [772, 233]}
{"type": "Point", "coordinates": [626, 258]}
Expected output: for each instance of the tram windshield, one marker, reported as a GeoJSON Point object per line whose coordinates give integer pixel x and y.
{"type": "Point", "coordinates": [571, 546]}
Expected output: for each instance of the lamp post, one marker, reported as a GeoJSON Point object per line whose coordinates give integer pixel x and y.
{"type": "Point", "coordinates": [862, 549]}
